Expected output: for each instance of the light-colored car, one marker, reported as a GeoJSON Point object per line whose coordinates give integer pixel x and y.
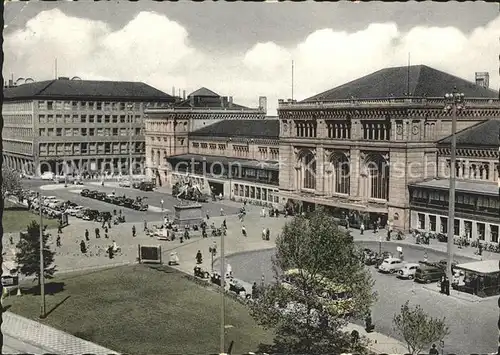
{"type": "Point", "coordinates": [408, 271]}
{"type": "Point", "coordinates": [72, 211]}
{"type": "Point", "coordinates": [47, 176]}
{"type": "Point", "coordinates": [390, 265]}
{"type": "Point", "coordinates": [124, 183]}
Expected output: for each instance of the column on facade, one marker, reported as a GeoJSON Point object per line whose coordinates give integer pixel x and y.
{"type": "Point", "coordinates": [298, 177]}
{"type": "Point", "coordinates": [320, 170]}
{"type": "Point", "coordinates": [355, 174]}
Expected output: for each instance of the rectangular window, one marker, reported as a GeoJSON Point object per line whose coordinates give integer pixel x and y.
{"type": "Point", "coordinates": [456, 227]}
{"type": "Point", "coordinates": [115, 119]}
{"type": "Point", "coordinates": [99, 106]}
{"type": "Point", "coordinates": [122, 106]}
{"type": "Point", "coordinates": [58, 132]}
{"type": "Point", "coordinates": [58, 105]}
{"type": "Point", "coordinates": [84, 147]}
{"type": "Point", "coordinates": [91, 118]}
{"type": "Point", "coordinates": [432, 223]}
{"type": "Point", "coordinates": [50, 105]}
{"type": "Point", "coordinates": [481, 228]}
{"type": "Point", "coordinates": [421, 221]}
{"type": "Point", "coordinates": [247, 191]}
{"type": "Point", "coordinates": [42, 105]}
{"type": "Point", "coordinates": [91, 105]}
{"type": "Point", "coordinates": [122, 118]}
{"type": "Point", "coordinates": [74, 105]}
{"type": "Point", "coordinates": [99, 119]}
{"type": "Point", "coordinates": [137, 131]}
{"type": "Point", "coordinates": [115, 131]}
{"type": "Point", "coordinates": [68, 132]}
{"type": "Point", "coordinates": [83, 119]}
{"type": "Point", "coordinates": [42, 132]}
{"type": "Point", "coordinates": [494, 233]}
{"type": "Point", "coordinates": [84, 132]}
{"type": "Point", "coordinates": [106, 119]}
{"type": "Point", "coordinates": [41, 119]}
{"type": "Point", "coordinates": [76, 131]}
{"type": "Point", "coordinates": [91, 132]}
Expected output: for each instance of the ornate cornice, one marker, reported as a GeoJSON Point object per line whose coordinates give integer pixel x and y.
{"type": "Point", "coordinates": [470, 152]}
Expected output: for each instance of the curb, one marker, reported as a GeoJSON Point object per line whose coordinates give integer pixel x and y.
{"type": "Point", "coordinates": [417, 246]}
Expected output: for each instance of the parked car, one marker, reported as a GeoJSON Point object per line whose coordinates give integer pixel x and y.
{"type": "Point", "coordinates": [442, 263]}
{"type": "Point", "coordinates": [379, 258]}
{"type": "Point", "coordinates": [408, 271]}
{"type": "Point", "coordinates": [101, 196]}
{"type": "Point", "coordinates": [90, 215]}
{"type": "Point", "coordinates": [92, 194]}
{"type": "Point", "coordinates": [72, 211]}
{"type": "Point", "coordinates": [390, 265]}
{"type": "Point", "coordinates": [124, 183]}
{"type": "Point", "coordinates": [146, 186]}
{"type": "Point", "coordinates": [81, 213]}
{"type": "Point", "coordinates": [236, 287]}
{"type": "Point", "coordinates": [136, 185]}
{"type": "Point", "coordinates": [428, 272]}
{"type": "Point", "coordinates": [104, 216]}
{"type": "Point", "coordinates": [128, 202]}
{"type": "Point", "coordinates": [109, 198]}
{"type": "Point", "coordinates": [47, 176]}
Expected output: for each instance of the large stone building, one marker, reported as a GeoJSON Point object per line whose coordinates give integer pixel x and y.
{"type": "Point", "coordinates": [477, 207]}
{"type": "Point", "coordinates": [91, 125]}
{"type": "Point", "coordinates": [168, 127]}
{"type": "Point", "coordinates": [358, 146]}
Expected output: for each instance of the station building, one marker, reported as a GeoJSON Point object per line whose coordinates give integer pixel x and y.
{"type": "Point", "coordinates": [194, 127]}
{"type": "Point", "coordinates": [351, 148]}
{"type": "Point", "coordinates": [92, 125]}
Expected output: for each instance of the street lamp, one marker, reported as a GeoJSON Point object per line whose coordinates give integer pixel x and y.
{"type": "Point", "coordinates": [213, 251]}
{"type": "Point", "coordinates": [223, 299]}
{"type": "Point", "coordinates": [130, 117]}
{"type": "Point", "coordinates": [454, 102]}
{"type": "Point", "coordinates": [42, 268]}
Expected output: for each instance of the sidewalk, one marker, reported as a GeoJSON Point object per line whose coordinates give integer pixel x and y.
{"type": "Point", "coordinates": [48, 338]}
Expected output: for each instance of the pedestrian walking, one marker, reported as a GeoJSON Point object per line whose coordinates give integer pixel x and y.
{"type": "Point", "coordinates": [106, 229]}
{"type": "Point", "coordinates": [106, 234]}
{"type": "Point", "coordinates": [145, 225]}
{"type": "Point", "coordinates": [58, 241]}
{"type": "Point", "coordinates": [97, 235]}
{"type": "Point", "coordinates": [425, 257]}
{"type": "Point", "coordinates": [243, 231]}
{"type": "Point", "coordinates": [11, 241]}
{"type": "Point", "coordinates": [59, 227]}
{"type": "Point", "coordinates": [221, 211]}
{"type": "Point", "coordinates": [87, 235]}
{"type": "Point", "coordinates": [199, 257]}
{"type": "Point", "coordinates": [83, 247]}
{"type": "Point", "coordinates": [224, 224]}
{"type": "Point", "coordinates": [133, 232]}
{"type": "Point", "coordinates": [362, 228]}
{"type": "Point", "coordinates": [433, 350]}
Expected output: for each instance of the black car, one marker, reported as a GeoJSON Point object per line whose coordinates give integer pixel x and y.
{"type": "Point", "coordinates": [136, 185]}
{"type": "Point", "coordinates": [128, 202]}
{"type": "Point", "coordinates": [90, 215]}
{"type": "Point", "coordinates": [92, 194]}
{"type": "Point", "coordinates": [104, 216]}
{"type": "Point", "coordinates": [101, 196]}
{"type": "Point", "coordinates": [146, 186]}
{"type": "Point", "coordinates": [85, 192]}
{"type": "Point", "coordinates": [119, 200]}
{"type": "Point", "coordinates": [236, 287]}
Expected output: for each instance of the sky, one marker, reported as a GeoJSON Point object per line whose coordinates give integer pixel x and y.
{"type": "Point", "coordinates": [245, 50]}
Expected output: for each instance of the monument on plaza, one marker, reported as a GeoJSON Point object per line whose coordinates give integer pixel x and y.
{"type": "Point", "coordinates": [188, 214]}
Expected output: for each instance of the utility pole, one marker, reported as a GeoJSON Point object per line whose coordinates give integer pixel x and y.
{"type": "Point", "coordinates": [454, 102]}
{"type": "Point", "coordinates": [42, 267]}
{"type": "Point", "coordinates": [223, 299]}
{"type": "Point", "coordinates": [130, 116]}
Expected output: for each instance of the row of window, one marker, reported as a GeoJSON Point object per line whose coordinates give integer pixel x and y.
{"type": "Point", "coordinates": [467, 231]}
{"type": "Point", "coordinates": [16, 106]}
{"type": "Point", "coordinates": [9, 119]}
{"type": "Point", "coordinates": [17, 147]}
{"type": "Point", "coordinates": [12, 132]}
{"type": "Point", "coordinates": [90, 148]}
{"type": "Point", "coordinates": [475, 170]}
{"type": "Point", "coordinates": [79, 132]}
{"type": "Point", "coordinates": [49, 119]}
{"type": "Point", "coordinates": [255, 192]}
{"type": "Point", "coordinates": [165, 126]}
{"type": "Point", "coordinates": [264, 153]}
{"type": "Point", "coordinates": [306, 129]}
{"type": "Point", "coordinates": [378, 131]}
{"type": "Point", "coordinates": [89, 105]}
{"type": "Point", "coordinates": [461, 198]}
{"type": "Point", "coordinates": [339, 130]}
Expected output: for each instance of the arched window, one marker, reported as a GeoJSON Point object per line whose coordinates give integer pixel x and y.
{"type": "Point", "coordinates": [158, 159]}
{"type": "Point", "coordinates": [341, 171]}
{"type": "Point", "coordinates": [152, 156]}
{"type": "Point", "coordinates": [378, 174]}
{"type": "Point", "coordinates": [309, 171]}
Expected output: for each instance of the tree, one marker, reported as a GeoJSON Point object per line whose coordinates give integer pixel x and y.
{"type": "Point", "coordinates": [305, 317]}
{"type": "Point", "coordinates": [28, 253]}
{"type": "Point", "coordinates": [11, 182]}
{"type": "Point", "coordinates": [418, 329]}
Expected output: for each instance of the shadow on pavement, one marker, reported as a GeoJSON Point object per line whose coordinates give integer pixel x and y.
{"type": "Point", "coordinates": [57, 306]}
{"type": "Point", "coordinates": [51, 288]}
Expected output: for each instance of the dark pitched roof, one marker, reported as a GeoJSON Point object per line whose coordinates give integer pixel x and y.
{"type": "Point", "coordinates": [204, 92]}
{"type": "Point", "coordinates": [62, 88]}
{"type": "Point", "coordinates": [482, 134]}
{"type": "Point", "coordinates": [241, 128]}
{"type": "Point", "coordinates": [213, 103]}
{"type": "Point", "coordinates": [423, 80]}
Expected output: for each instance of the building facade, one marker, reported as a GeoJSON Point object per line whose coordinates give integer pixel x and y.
{"type": "Point", "coordinates": [357, 147]}
{"type": "Point", "coordinates": [90, 125]}
{"type": "Point", "coordinates": [477, 207]}
{"type": "Point", "coordinates": [168, 127]}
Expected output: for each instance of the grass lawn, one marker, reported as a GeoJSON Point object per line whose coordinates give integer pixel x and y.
{"type": "Point", "coordinates": [17, 217]}
{"type": "Point", "coordinates": [140, 310]}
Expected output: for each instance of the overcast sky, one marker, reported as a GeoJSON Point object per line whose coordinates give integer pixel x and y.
{"type": "Point", "coordinates": [245, 50]}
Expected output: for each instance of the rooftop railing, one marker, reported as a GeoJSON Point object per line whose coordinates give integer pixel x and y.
{"type": "Point", "coordinates": [390, 101]}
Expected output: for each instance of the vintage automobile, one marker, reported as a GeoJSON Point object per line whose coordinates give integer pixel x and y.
{"type": "Point", "coordinates": [408, 271]}
{"type": "Point", "coordinates": [90, 215]}
{"type": "Point", "coordinates": [128, 202]}
{"type": "Point", "coordinates": [236, 287]}
{"type": "Point", "coordinates": [139, 206]}
{"type": "Point", "coordinates": [390, 265]}
{"type": "Point", "coordinates": [103, 216]}
{"type": "Point", "coordinates": [85, 193]}
{"type": "Point", "coordinates": [72, 211]}
{"type": "Point", "coordinates": [92, 194]}
{"type": "Point", "coordinates": [101, 196]}
{"type": "Point", "coordinates": [146, 186]}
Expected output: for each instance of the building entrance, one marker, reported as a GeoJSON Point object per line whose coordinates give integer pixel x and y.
{"type": "Point", "coordinates": [217, 188]}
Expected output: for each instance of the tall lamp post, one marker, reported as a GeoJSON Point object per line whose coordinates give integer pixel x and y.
{"type": "Point", "coordinates": [223, 299]}
{"type": "Point", "coordinates": [42, 268]}
{"type": "Point", "coordinates": [130, 133]}
{"type": "Point", "coordinates": [454, 102]}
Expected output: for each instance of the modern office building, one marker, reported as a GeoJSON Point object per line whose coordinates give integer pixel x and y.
{"type": "Point", "coordinates": [169, 127]}
{"type": "Point", "coordinates": [90, 125]}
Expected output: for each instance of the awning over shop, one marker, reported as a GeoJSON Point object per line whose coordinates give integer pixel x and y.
{"type": "Point", "coordinates": [484, 267]}
{"type": "Point", "coordinates": [247, 163]}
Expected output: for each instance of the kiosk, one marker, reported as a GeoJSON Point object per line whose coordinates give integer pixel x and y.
{"type": "Point", "coordinates": [481, 278]}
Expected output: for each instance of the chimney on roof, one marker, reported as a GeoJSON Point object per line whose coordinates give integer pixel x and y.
{"type": "Point", "coordinates": [263, 103]}
{"type": "Point", "coordinates": [11, 83]}
{"type": "Point", "coordinates": [191, 100]}
{"type": "Point", "coordinates": [483, 79]}
{"type": "Point", "coordinates": [173, 90]}
{"type": "Point", "coordinates": [230, 101]}
{"type": "Point", "coordinates": [223, 100]}
{"type": "Point", "coordinates": [63, 78]}
{"type": "Point", "coordinates": [184, 94]}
